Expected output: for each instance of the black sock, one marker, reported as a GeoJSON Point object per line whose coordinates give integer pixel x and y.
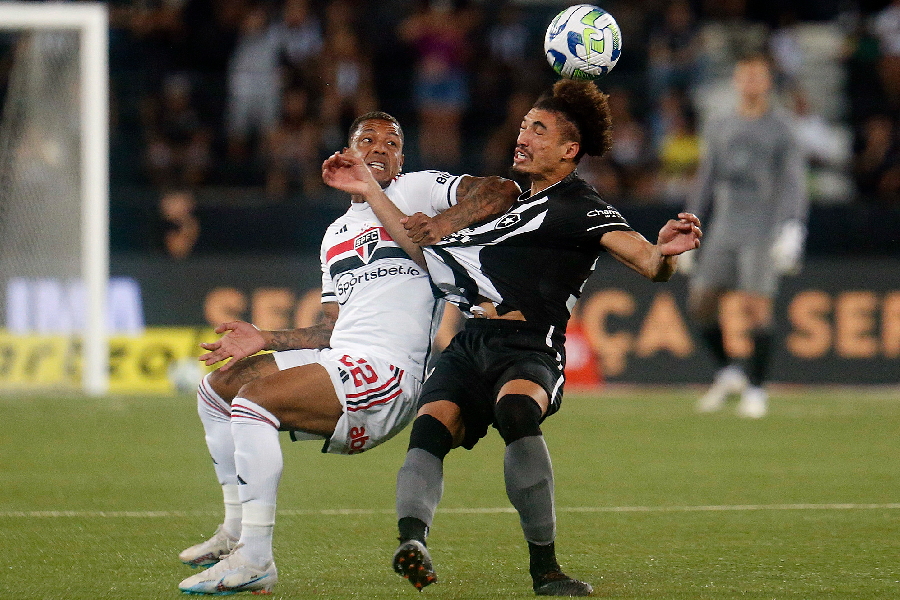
{"type": "Point", "coordinates": [712, 335]}
{"type": "Point", "coordinates": [412, 528]}
{"type": "Point", "coordinates": [543, 559]}
{"type": "Point", "coordinates": [759, 360]}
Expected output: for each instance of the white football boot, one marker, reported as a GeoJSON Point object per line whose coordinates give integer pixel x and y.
{"type": "Point", "coordinates": [754, 403]}
{"type": "Point", "coordinates": [729, 380]}
{"type": "Point", "coordinates": [230, 575]}
{"type": "Point", "coordinates": [209, 552]}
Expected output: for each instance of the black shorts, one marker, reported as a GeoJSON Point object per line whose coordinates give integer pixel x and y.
{"type": "Point", "coordinates": [483, 357]}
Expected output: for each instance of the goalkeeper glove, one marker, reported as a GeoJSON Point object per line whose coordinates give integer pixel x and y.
{"type": "Point", "coordinates": [686, 262]}
{"type": "Point", "coordinates": [787, 250]}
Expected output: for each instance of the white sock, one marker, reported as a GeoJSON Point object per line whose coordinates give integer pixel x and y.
{"type": "Point", "coordinates": [215, 414]}
{"type": "Point", "coordinates": [232, 523]}
{"type": "Point", "coordinates": [256, 533]}
{"type": "Point", "coordinates": [259, 464]}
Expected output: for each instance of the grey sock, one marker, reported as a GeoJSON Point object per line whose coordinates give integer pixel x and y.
{"type": "Point", "coordinates": [529, 485]}
{"type": "Point", "coordinates": [420, 485]}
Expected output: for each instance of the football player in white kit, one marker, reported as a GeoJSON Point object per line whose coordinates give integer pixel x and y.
{"type": "Point", "coordinates": [352, 380]}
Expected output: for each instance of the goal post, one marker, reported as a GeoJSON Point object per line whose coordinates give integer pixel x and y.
{"type": "Point", "coordinates": [89, 21]}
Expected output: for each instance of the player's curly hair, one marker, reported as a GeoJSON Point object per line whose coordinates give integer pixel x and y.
{"type": "Point", "coordinates": [586, 109]}
{"type": "Point", "coordinates": [375, 115]}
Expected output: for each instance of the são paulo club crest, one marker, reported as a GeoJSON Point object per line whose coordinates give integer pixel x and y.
{"type": "Point", "coordinates": [366, 243]}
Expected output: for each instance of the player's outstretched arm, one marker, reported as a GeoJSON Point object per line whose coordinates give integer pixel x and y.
{"type": "Point", "coordinates": [243, 339]}
{"type": "Point", "coordinates": [478, 199]}
{"type": "Point", "coordinates": [656, 262]}
{"type": "Point", "coordinates": [347, 172]}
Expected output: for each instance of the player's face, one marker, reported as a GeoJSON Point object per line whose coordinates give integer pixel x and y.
{"type": "Point", "coordinates": [752, 78]}
{"type": "Point", "coordinates": [381, 148]}
{"type": "Point", "coordinates": [541, 148]}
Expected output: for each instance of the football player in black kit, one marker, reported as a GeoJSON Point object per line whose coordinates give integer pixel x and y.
{"type": "Point", "coordinates": [518, 277]}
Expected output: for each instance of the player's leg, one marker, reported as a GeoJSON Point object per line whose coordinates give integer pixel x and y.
{"type": "Point", "coordinates": [301, 398]}
{"type": "Point", "coordinates": [754, 399]}
{"type": "Point", "coordinates": [528, 472]}
{"type": "Point", "coordinates": [716, 273]}
{"type": "Point", "coordinates": [439, 426]}
{"type": "Point", "coordinates": [758, 282]}
{"type": "Point", "coordinates": [703, 308]}
{"type": "Point", "coordinates": [214, 396]}
{"type": "Point", "coordinates": [437, 429]}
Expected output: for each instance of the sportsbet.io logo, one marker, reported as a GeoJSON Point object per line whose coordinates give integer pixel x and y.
{"type": "Point", "coordinates": [345, 282]}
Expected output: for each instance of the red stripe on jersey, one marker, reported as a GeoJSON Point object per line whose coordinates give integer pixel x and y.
{"type": "Point", "coordinates": [375, 403]}
{"type": "Point", "coordinates": [339, 249]}
{"type": "Point", "coordinates": [372, 391]}
{"type": "Point", "coordinates": [348, 245]}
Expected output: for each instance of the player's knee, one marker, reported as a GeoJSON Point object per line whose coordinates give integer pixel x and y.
{"type": "Point", "coordinates": [430, 435]}
{"type": "Point", "coordinates": [218, 382]}
{"type": "Point", "coordinates": [517, 416]}
{"type": "Point", "coordinates": [228, 384]}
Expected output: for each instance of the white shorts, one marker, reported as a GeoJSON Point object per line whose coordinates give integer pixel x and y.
{"type": "Point", "coordinates": [379, 399]}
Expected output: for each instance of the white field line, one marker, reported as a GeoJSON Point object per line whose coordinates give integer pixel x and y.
{"type": "Point", "coordinates": [155, 514]}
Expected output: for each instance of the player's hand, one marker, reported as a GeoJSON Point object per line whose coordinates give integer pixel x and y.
{"type": "Point", "coordinates": [679, 236]}
{"type": "Point", "coordinates": [241, 341]}
{"type": "Point", "coordinates": [424, 230]}
{"type": "Point", "coordinates": [347, 172]}
{"type": "Point", "coordinates": [787, 250]}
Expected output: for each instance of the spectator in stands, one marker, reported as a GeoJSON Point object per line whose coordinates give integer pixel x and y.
{"type": "Point", "coordinates": [180, 226]}
{"type": "Point", "coordinates": [631, 154]}
{"type": "Point", "coordinates": [300, 37]}
{"type": "Point", "coordinates": [887, 29]}
{"type": "Point", "coordinates": [292, 149]}
{"type": "Point", "coordinates": [674, 50]}
{"type": "Point", "coordinates": [349, 89]}
{"type": "Point", "coordinates": [877, 163]}
{"type": "Point", "coordinates": [786, 52]}
{"type": "Point", "coordinates": [178, 146]}
{"type": "Point", "coordinates": [678, 151]}
{"type": "Point", "coordinates": [438, 33]}
{"type": "Point", "coordinates": [254, 84]}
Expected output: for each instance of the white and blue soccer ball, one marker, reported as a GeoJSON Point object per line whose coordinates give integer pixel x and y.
{"type": "Point", "coordinates": [583, 42]}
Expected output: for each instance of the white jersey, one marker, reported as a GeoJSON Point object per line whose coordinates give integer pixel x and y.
{"type": "Point", "coordinates": [386, 302]}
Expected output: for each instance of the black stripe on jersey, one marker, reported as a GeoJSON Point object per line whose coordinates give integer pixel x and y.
{"type": "Point", "coordinates": [355, 262]}
{"type": "Point", "coordinates": [489, 236]}
{"type": "Point", "coordinates": [450, 187]}
{"type": "Point", "coordinates": [461, 278]}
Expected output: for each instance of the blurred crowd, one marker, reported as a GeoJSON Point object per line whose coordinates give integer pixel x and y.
{"type": "Point", "coordinates": [253, 94]}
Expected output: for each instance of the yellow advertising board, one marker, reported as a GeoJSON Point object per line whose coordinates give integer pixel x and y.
{"type": "Point", "coordinates": [138, 364]}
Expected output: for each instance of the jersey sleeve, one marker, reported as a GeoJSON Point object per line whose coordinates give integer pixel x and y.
{"type": "Point", "coordinates": [328, 291]}
{"type": "Point", "coordinates": [428, 192]}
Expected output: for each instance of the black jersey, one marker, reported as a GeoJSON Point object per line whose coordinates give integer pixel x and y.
{"type": "Point", "coordinates": [535, 258]}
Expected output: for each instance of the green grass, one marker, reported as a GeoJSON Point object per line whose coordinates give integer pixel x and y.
{"type": "Point", "coordinates": [131, 485]}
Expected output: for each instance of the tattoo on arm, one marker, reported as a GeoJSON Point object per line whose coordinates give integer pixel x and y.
{"type": "Point", "coordinates": [479, 199]}
{"type": "Point", "coordinates": [315, 336]}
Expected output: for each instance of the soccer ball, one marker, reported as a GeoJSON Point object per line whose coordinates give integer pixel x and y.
{"type": "Point", "coordinates": [583, 42]}
{"type": "Point", "coordinates": [184, 374]}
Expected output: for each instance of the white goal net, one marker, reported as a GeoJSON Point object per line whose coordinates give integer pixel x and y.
{"type": "Point", "coordinates": [54, 249]}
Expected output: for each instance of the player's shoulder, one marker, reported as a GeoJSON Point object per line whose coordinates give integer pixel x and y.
{"type": "Point", "coordinates": [338, 226]}
{"type": "Point", "coordinates": [424, 177]}
{"type": "Point", "coordinates": [582, 200]}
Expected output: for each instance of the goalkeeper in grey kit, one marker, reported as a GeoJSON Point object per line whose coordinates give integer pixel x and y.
{"type": "Point", "coordinates": [752, 181]}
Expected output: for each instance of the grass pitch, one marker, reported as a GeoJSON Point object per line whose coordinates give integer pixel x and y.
{"type": "Point", "coordinates": [98, 496]}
